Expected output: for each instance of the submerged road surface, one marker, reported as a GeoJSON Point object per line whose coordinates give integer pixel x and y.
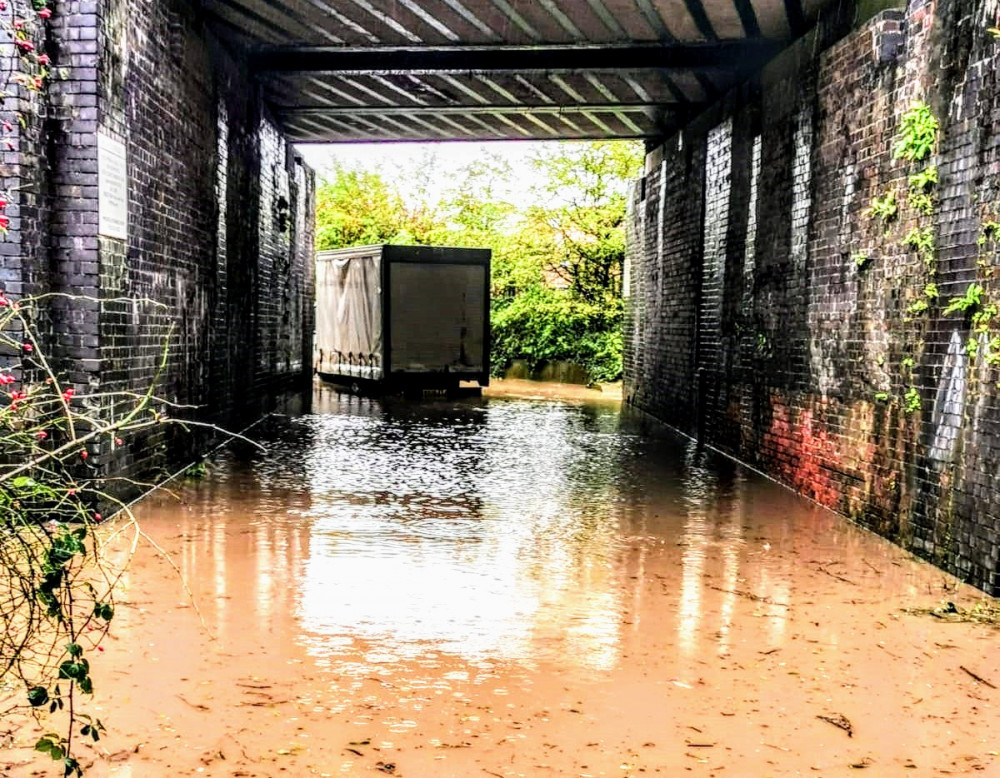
{"type": "Point", "coordinates": [515, 587]}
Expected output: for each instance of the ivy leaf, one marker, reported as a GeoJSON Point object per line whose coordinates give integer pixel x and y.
{"type": "Point", "coordinates": [38, 696]}
{"type": "Point", "coordinates": [48, 746]}
{"type": "Point", "coordinates": [72, 670]}
{"type": "Point", "coordinates": [103, 610]}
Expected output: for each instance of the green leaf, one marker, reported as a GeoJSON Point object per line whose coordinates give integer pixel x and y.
{"type": "Point", "coordinates": [37, 696]}
{"type": "Point", "coordinates": [74, 649]}
{"type": "Point", "coordinates": [73, 670]}
{"type": "Point", "coordinates": [103, 610]}
{"type": "Point", "coordinates": [48, 746]}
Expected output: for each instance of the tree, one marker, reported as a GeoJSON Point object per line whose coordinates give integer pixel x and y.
{"type": "Point", "coordinates": [479, 213]}
{"type": "Point", "coordinates": [573, 228]}
{"type": "Point", "coordinates": [582, 210]}
{"type": "Point", "coordinates": [358, 207]}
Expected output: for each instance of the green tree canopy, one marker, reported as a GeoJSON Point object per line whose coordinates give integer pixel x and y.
{"type": "Point", "coordinates": [358, 207]}
{"type": "Point", "coordinates": [557, 256]}
{"type": "Point", "coordinates": [581, 211]}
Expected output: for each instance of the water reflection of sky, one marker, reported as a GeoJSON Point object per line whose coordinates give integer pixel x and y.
{"type": "Point", "coordinates": [485, 528]}
{"type": "Point", "coordinates": [500, 530]}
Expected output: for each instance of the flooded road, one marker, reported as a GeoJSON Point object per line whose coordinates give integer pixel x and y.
{"type": "Point", "coordinates": [525, 587]}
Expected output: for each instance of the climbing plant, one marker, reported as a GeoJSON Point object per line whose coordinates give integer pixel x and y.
{"type": "Point", "coordinates": [917, 136]}
{"type": "Point", "coordinates": [915, 142]}
{"type": "Point", "coordinates": [56, 581]}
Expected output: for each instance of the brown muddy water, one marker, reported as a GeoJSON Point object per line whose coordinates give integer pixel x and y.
{"type": "Point", "coordinates": [524, 587]}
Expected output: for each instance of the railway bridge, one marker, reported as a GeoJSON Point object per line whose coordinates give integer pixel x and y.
{"type": "Point", "coordinates": [772, 310]}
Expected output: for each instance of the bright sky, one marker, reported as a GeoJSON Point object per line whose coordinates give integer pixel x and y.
{"type": "Point", "coordinates": [402, 163]}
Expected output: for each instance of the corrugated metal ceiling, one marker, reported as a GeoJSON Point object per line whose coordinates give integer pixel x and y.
{"type": "Point", "coordinates": [362, 70]}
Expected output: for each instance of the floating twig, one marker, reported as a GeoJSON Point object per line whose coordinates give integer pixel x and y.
{"type": "Point", "coordinates": [840, 721]}
{"type": "Point", "coordinates": [836, 575]}
{"type": "Point", "coordinates": [750, 596]}
{"type": "Point", "coordinates": [976, 677]}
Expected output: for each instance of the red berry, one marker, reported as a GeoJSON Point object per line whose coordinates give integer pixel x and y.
{"type": "Point", "coordinates": [98, 517]}
{"type": "Point", "coordinates": [42, 435]}
{"type": "Point", "coordinates": [119, 441]}
{"type": "Point", "coordinates": [84, 454]}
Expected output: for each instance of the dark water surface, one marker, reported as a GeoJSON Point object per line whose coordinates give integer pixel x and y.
{"type": "Point", "coordinates": [525, 587]}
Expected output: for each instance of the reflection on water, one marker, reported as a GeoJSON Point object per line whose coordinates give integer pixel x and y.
{"type": "Point", "coordinates": [521, 588]}
{"type": "Point", "coordinates": [490, 529]}
{"type": "Point", "coordinates": [467, 525]}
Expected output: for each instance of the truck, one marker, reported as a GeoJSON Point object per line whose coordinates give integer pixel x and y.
{"type": "Point", "coordinates": [403, 317]}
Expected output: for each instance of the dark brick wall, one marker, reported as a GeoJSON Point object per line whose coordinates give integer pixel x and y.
{"type": "Point", "coordinates": [220, 239]}
{"type": "Point", "coordinates": [749, 317]}
{"type": "Point", "coordinates": [665, 260]}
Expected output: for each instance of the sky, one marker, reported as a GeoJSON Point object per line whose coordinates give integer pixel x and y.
{"type": "Point", "coordinates": [401, 163]}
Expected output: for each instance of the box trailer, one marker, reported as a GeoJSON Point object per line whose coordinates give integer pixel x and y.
{"type": "Point", "coordinates": [403, 316]}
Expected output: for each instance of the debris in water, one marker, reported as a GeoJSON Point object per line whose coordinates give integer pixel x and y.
{"type": "Point", "coordinates": [976, 677]}
{"type": "Point", "coordinates": [986, 611]}
{"type": "Point", "coordinates": [750, 596]}
{"type": "Point", "coordinates": [841, 722]}
{"type": "Point", "coordinates": [835, 575]}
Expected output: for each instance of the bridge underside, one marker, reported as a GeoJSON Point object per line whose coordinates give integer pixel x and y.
{"type": "Point", "coordinates": [426, 70]}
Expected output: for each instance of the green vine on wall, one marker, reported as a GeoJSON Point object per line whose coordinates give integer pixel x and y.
{"type": "Point", "coordinates": [915, 142]}
{"type": "Point", "coordinates": [885, 208]}
{"type": "Point", "coordinates": [918, 134]}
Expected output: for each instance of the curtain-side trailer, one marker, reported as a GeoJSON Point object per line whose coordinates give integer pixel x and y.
{"type": "Point", "coordinates": [403, 316]}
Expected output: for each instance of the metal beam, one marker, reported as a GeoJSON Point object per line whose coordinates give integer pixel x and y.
{"type": "Point", "coordinates": [608, 19]}
{"type": "Point", "coordinates": [461, 110]}
{"type": "Point", "coordinates": [796, 17]}
{"type": "Point", "coordinates": [506, 132]}
{"type": "Point", "coordinates": [729, 55]}
{"type": "Point", "coordinates": [748, 17]}
{"type": "Point", "coordinates": [704, 24]}
{"type": "Point", "coordinates": [655, 20]}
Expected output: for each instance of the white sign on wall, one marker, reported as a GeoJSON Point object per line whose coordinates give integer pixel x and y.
{"type": "Point", "coordinates": [112, 187]}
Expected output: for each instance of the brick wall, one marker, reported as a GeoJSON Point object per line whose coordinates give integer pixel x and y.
{"type": "Point", "coordinates": [750, 317]}
{"type": "Point", "coordinates": [220, 216]}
